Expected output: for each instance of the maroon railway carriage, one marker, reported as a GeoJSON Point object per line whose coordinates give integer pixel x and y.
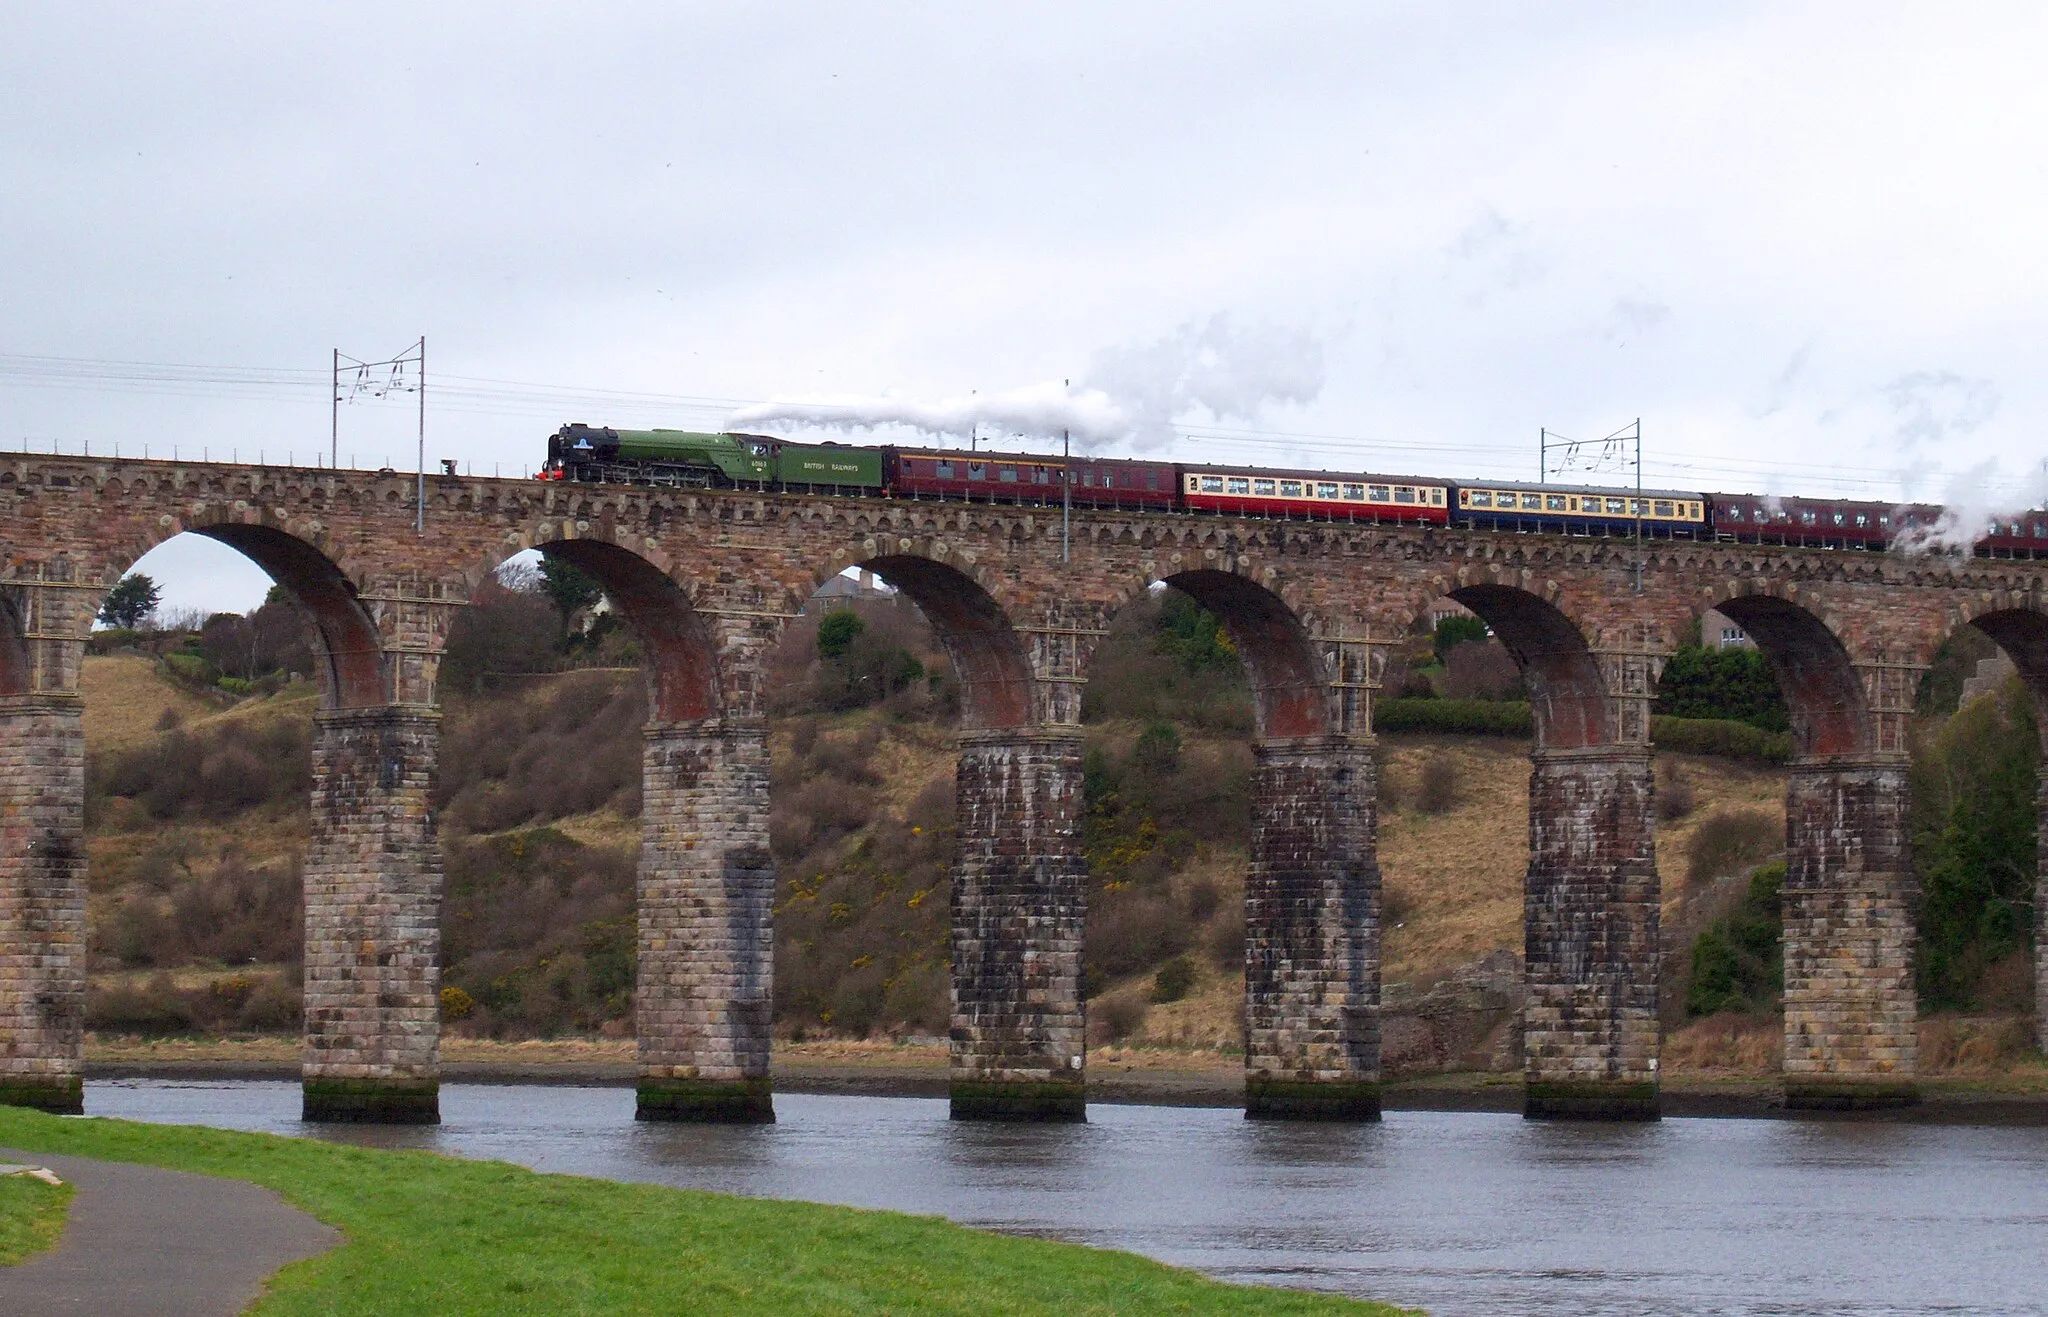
{"type": "Point", "coordinates": [984, 477]}
{"type": "Point", "coordinates": [1846, 524]}
{"type": "Point", "coordinates": [1317, 495]}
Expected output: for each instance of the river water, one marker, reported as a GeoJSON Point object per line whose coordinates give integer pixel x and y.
{"type": "Point", "coordinates": [1458, 1213]}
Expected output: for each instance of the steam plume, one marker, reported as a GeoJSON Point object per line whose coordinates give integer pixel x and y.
{"type": "Point", "coordinates": [1130, 395]}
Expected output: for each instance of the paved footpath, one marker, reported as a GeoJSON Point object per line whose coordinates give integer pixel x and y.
{"type": "Point", "coordinates": [147, 1241]}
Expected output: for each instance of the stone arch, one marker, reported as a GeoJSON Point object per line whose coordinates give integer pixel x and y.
{"type": "Point", "coordinates": [2022, 633]}
{"type": "Point", "coordinates": [683, 669]}
{"type": "Point", "coordinates": [988, 656]}
{"type": "Point", "coordinates": [1566, 689]}
{"type": "Point", "coordinates": [1823, 692]}
{"type": "Point", "coordinates": [1289, 692]}
{"type": "Point", "coordinates": [353, 672]}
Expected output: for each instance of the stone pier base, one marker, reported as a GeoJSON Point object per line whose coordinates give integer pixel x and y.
{"type": "Point", "coordinates": [1312, 933]}
{"type": "Point", "coordinates": [1019, 1038]}
{"type": "Point", "coordinates": [703, 1003]}
{"type": "Point", "coordinates": [373, 919]}
{"type": "Point", "coordinates": [1590, 1031]}
{"type": "Point", "coordinates": [42, 902]}
{"type": "Point", "coordinates": [1851, 1015]}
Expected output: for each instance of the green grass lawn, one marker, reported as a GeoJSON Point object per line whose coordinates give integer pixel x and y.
{"type": "Point", "coordinates": [435, 1234]}
{"type": "Point", "coordinates": [31, 1216]}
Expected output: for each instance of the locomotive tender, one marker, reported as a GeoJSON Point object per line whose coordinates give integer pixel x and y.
{"type": "Point", "coordinates": [690, 459]}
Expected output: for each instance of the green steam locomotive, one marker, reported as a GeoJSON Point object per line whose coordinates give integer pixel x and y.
{"type": "Point", "coordinates": [691, 460]}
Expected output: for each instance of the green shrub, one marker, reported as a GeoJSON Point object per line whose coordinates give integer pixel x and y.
{"type": "Point", "coordinates": [1974, 831]}
{"type": "Point", "coordinates": [1733, 683]}
{"type": "Point", "coordinates": [1738, 962]}
{"type": "Point", "coordinates": [1454, 717]}
{"type": "Point", "coordinates": [1175, 979]}
{"type": "Point", "coordinates": [1720, 737]}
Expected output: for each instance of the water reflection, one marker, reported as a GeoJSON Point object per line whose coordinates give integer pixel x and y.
{"type": "Point", "coordinates": [1462, 1213]}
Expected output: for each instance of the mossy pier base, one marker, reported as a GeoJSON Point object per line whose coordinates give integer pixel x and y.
{"type": "Point", "coordinates": [1595, 1099]}
{"type": "Point", "coordinates": [1848, 1095]}
{"type": "Point", "coordinates": [707, 1101]}
{"type": "Point", "coordinates": [63, 1095]}
{"type": "Point", "coordinates": [371, 1101]}
{"type": "Point", "coordinates": [1049, 1104]}
{"type": "Point", "coordinates": [1310, 1099]}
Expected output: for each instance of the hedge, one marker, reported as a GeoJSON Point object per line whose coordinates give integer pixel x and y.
{"type": "Point", "coordinates": [1694, 736]}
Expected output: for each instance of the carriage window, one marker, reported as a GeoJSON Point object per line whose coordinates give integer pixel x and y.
{"type": "Point", "coordinates": [1660, 508]}
{"type": "Point", "coordinates": [1087, 475]}
{"type": "Point", "coordinates": [1381, 494]}
{"type": "Point", "coordinates": [1041, 475]}
{"type": "Point", "coordinates": [1838, 518]}
{"type": "Point", "coordinates": [1436, 497]}
{"type": "Point", "coordinates": [1152, 479]}
{"type": "Point", "coordinates": [1007, 474]}
{"type": "Point", "coordinates": [1884, 519]}
{"type": "Point", "coordinates": [1356, 493]}
{"type": "Point", "coordinates": [1482, 498]}
{"type": "Point", "coordinates": [945, 471]}
{"type": "Point", "coordinates": [1532, 502]}
{"type": "Point", "coordinates": [1807, 517]}
{"type": "Point", "coordinates": [1403, 494]}
{"type": "Point", "coordinates": [1262, 487]}
{"type": "Point", "coordinates": [1692, 510]}
{"type": "Point", "coordinates": [1240, 485]}
{"type": "Point", "coordinates": [1735, 514]}
{"type": "Point", "coordinates": [1326, 490]}
{"type": "Point", "coordinates": [1617, 505]}
{"type": "Point", "coordinates": [2040, 531]}
{"type": "Point", "coordinates": [2015, 528]}
{"type": "Point", "coordinates": [1214, 484]}
{"type": "Point", "coordinates": [977, 470]}
{"type": "Point", "coordinates": [1554, 502]}
{"type": "Point", "coordinates": [1290, 489]}
{"type": "Point", "coordinates": [1862, 519]}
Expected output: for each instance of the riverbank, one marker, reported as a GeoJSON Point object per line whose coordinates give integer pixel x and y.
{"type": "Point", "coordinates": [1150, 1076]}
{"type": "Point", "coordinates": [429, 1233]}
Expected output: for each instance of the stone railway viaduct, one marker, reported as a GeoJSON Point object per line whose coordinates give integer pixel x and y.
{"type": "Point", "coordinates": [708, 579]}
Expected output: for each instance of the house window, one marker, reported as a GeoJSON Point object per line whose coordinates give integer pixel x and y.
{"type": "Point", "coordinates": [1240, 485]}
{"type": "Point", "coordinates": [1263, 488]}
{"type": "Point", "coordinates": [1214, 485]}
{"type": "Point", "coordinates": [945, 471]}
{"type": "Point", "coordinates": [1732, 635]}
{"type": "Point", "coordinates": [1404, 494]}
{"type": "Point", "coordinates": [1326, 490]}
{"type": "Point", "coordinates": [1356, 493]}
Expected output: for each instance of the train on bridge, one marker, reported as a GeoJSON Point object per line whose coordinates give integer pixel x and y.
{"type": "Point", "coordinates": [752, 461]}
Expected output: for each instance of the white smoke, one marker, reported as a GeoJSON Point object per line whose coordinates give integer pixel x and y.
{"type": "Point", "coordinates": [1970, 503]}
{"type": "Point", "coordinates": [1130, 395]}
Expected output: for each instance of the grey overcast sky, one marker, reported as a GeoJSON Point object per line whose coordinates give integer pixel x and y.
{"type": "Point", "coordinates": [1803, 242]}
